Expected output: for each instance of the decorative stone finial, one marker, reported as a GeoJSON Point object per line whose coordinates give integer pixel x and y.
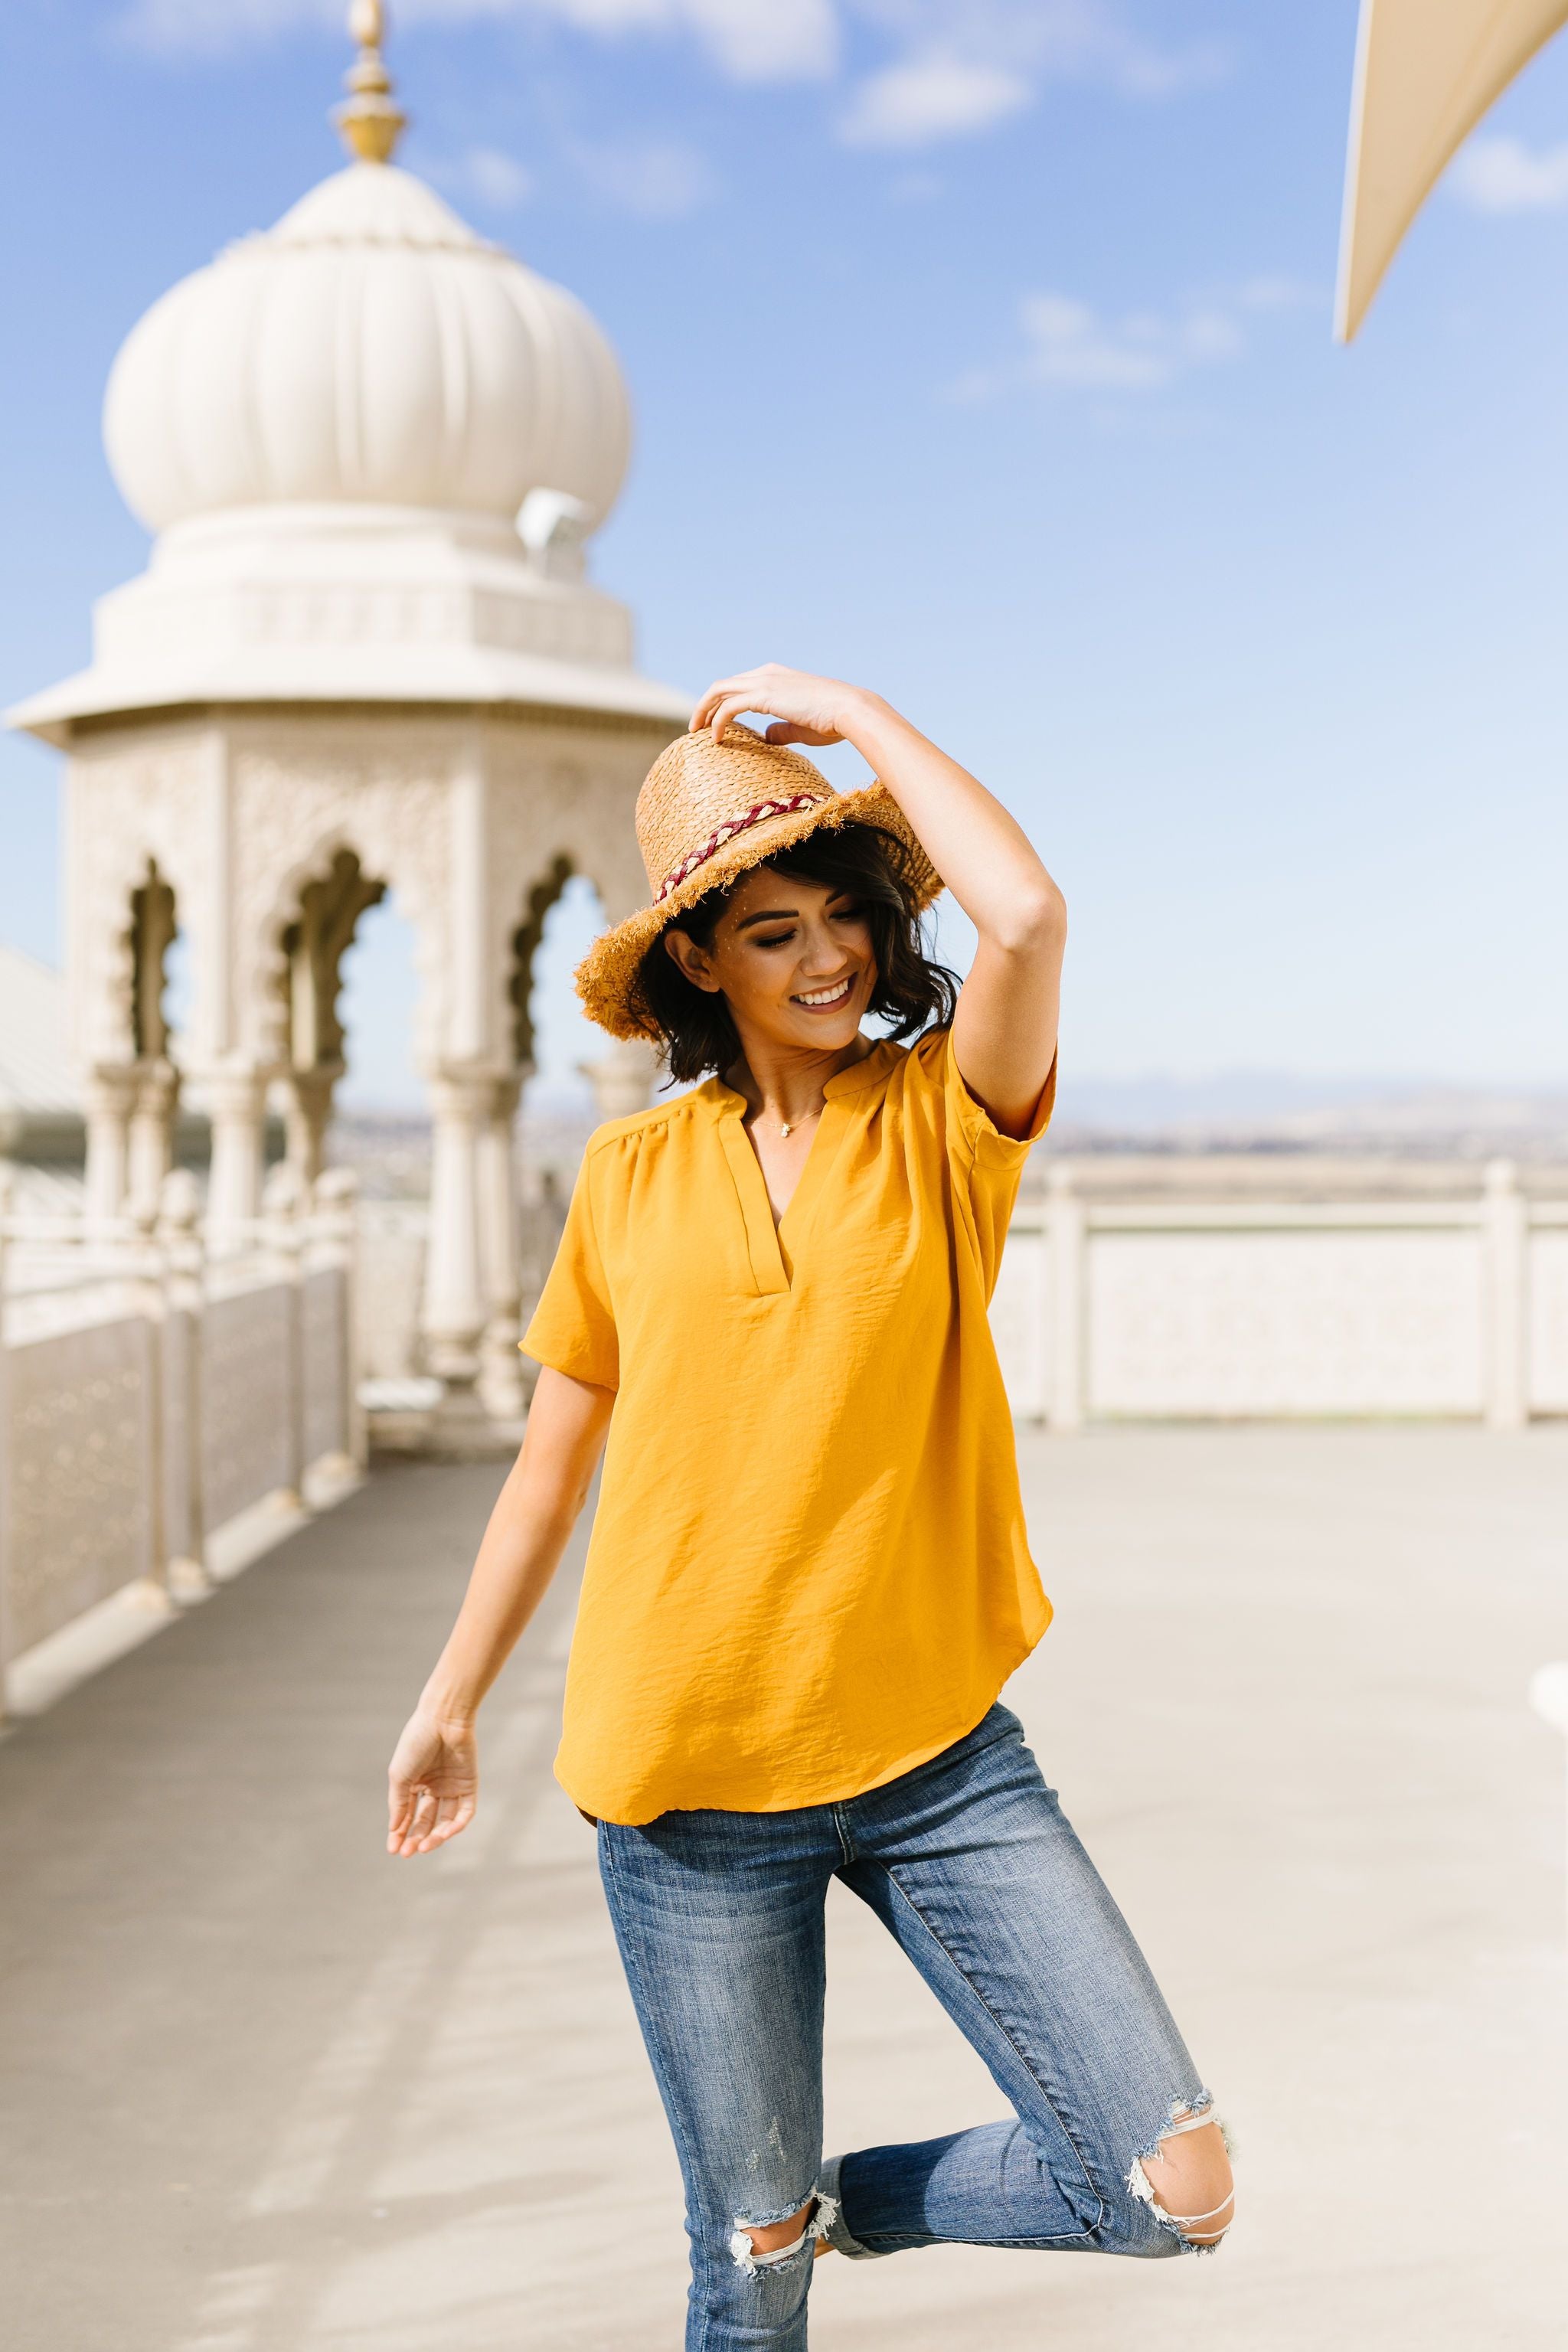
{"type": "Point", "coordinates": [369, 120]}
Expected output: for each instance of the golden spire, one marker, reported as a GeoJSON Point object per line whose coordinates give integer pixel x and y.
{"type": "Point", "coordinates": [369, 119]}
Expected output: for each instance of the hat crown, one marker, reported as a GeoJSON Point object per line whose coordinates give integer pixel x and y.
{"type": "Point", "coordinates": [698, 793]}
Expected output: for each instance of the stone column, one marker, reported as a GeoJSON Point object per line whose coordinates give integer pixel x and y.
{"type": "Point", "coordinates": [623, 1078]}
{"type": "Point", "coordinates": [152, 1135]}
{"type": "Point", "coordinates": [307, 1111]}
{"type": "Point", "coordinates": [500, 1368]}
{"type": "Point", "coordinates": [454, 1311]}
{"type": "Point", "coordinates": [337, 1212]}
{"type": "Point", "coordinates": [282, 1201]}
{"type": "Point", "coordinates": [179, 1237]}
{"type": "Point", "coordinates": [236, 1105]}
{"type": "Point", "coordinates": [109, 1097]}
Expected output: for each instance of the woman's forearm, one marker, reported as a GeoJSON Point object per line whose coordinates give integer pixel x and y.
{"type": "Point", "coordinates": [529, 1530]}
{"type": "Point", "coordinates": [982, 853]}
{"type": "Point", "coordinates": [520, 1554]}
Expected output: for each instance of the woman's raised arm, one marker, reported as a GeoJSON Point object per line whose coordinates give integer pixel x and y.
{"type": "Point", "coordinates": [1004, 1031]}
{"type": "Point", "coordinates": [433, 1782]}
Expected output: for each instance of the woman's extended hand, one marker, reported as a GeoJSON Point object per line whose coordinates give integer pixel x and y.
{"type": "Point", "coordinates": [432, 1784]}
{"type": "Point", "coordinates": [805, 709]}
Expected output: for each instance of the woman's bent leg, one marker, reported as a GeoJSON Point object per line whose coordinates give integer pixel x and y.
{"type": "Point", "coordinates": [973, 1869]}
{"type": "Point", "coordinates": [719, 1917]}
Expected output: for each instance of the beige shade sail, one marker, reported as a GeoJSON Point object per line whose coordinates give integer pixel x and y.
{"type": "Point", "coordinates": [1426, 71]}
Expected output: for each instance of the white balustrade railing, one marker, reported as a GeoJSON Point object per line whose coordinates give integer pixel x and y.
{"type": "Point", "coordinates": [1186, 1310]}
{"type": "Point", "coordinates": [152, 1390]}
{"type": "Point", "coordinates": [1549, 1698]}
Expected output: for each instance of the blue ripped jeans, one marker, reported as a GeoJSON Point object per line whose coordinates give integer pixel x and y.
{"type": "Point", "coordinates": [970, 1865]}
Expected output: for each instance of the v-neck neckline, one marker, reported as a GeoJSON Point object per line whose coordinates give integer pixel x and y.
{"type": "Point", "coordinates": [773, 1248]}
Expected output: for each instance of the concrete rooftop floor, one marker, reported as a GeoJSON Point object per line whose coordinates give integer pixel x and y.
{"type": "Point", "coordinates": [267, 2092]}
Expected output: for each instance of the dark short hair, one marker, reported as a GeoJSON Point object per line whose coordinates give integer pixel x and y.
{"type": "Point", "coordinates": [697, 1032]}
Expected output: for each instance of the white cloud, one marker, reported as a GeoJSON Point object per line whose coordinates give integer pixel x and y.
{"type": "Point", "coordinates": [1069, 343]}
{"type": "Point", "coordinates": [750, 40]}
{"type": "Point", "coordinates": [922, 98]}
{"type": "Point", "coordinates": [954, 66]}
{"type": "Point", "coordinates": [491, 177]}
{"type": "Point", "coordinates": [211, 27]}
{"type": "Point", "coordinates": [1504, 175]}
{"type": "Point", "coordinates": [1280, 293]}
{"type": "Point", "coordinates": [654, 179]}
{"type": "Point", "coordinates": [767, 41]}
{"type": "Point", "coordinates": [967, 64]}
{"type": "Point", "coordinates": [1070, 346]}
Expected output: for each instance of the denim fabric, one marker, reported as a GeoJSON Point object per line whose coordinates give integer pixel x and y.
{"type": "Point", "coordinates": [970, 1864]}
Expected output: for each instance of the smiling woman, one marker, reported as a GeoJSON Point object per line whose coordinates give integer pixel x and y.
{"type": "Point", "coordinates": [830, 925]}
{"type": "Point", "coordinates": [809, 1575]}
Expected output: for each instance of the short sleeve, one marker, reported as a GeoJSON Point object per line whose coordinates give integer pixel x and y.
{"type": "Point", "coordinates": [972, 1134]}
{"type": "Point", "coordinates": [573, 1328]}
{"type": "Point", "coordinates": [987, 1166]}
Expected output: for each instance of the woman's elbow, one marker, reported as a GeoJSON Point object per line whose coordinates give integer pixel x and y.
{"type": "Point", "coordinates": [1037, 924]}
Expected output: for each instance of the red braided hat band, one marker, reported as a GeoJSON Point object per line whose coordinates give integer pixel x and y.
{"type": "Point", "coordinates": [786, 806]}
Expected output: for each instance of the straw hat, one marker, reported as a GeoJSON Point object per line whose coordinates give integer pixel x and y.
{"type": "Point", "coordinates": [707, 813]}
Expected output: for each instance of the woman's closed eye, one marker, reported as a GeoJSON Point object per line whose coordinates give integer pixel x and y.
{"type": "Point", "coordinates": [853, 913]}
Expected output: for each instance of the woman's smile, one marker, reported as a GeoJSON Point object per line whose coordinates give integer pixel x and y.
{"type": "Point", "coordinates": [826, 1000]}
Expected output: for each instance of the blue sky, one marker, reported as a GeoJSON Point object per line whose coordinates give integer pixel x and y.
{"type": "Point", "coordinates": [980, 353]}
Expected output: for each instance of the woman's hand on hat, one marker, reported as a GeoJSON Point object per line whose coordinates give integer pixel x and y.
{"type": "Point", "coordinates": [804, 708]}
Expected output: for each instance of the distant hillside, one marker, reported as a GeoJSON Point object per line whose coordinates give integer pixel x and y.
{"type": "Point", "coordinates": [1270, 1112]}
{"type": "Point", "coordinates": [1261, 1115]}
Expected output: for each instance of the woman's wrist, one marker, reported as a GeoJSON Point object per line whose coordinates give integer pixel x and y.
{"type": "Point", "coordinates": [884, 738]}
{"type": "Point", "coordinates": [448, 1705]}
{"type": "Point", "coordinates": [863, 720]}
{"type": "Point", "coordinates": [860, 705]}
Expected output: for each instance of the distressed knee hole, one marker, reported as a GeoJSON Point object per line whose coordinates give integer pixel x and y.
{"type": "Point", "coordinates": [762, 2245]}
{"type": "Point", "coordinates": [1184, 2175]}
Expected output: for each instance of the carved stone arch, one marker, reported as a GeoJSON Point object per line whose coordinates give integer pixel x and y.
{"type": "Point", "coordinates": [581, 807]}
{"type": "Point", "coordinates": [564, 808]}
{"type": "Point", "coordinates": [303, 937]}
{"type": "Point", "coordinates": [524, 940]}
{"type": "Point", "coordinates": [303, 1036]}
{"type": "Point", "coordinates": [596, 831]}
{"type": "Point", "coordinates": [389, 812]}
{"type": "Point", "coordinates": [305, 949]}
{"type": "Point", "coordinates": [146, 926]}
{"type": "Point", "coordinates": [132, 1087]}
{"type": "Point", "coordinates": [133, 806]}
{"type": "Point", "coordinates": [148, 937]}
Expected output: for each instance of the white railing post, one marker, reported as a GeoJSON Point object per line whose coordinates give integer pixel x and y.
{"type": "Point", "coordinates": [280, 1203]}
{"type": "Point", "coordinates": [1505, 1228]}
{"type": "Point", "coordinates": [337, 1191]}
{"type": "Point", "coordinates": [180, 1234]}
{"type": "Point", "coordinates": [146, 1271]}
{"type": "Point", "coordinates": [501, 1366]}
{"type": "Point", "coordinates": [1549, 1698]}
{"type": "Point", "coordinates": [1068, 1232]}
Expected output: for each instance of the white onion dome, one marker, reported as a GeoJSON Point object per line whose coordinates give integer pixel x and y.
{"type": "Point", "coordinates": [372, 349]}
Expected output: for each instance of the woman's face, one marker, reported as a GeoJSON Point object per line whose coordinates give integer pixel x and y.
{"type": "Point", "coordinates": [794, 960]}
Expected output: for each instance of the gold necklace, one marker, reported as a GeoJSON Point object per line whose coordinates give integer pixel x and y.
{"type": "Point", "coordinates": [787, 1125]}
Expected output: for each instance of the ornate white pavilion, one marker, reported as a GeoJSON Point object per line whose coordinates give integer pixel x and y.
{"type": "Point", "coordinates": [363, 657]}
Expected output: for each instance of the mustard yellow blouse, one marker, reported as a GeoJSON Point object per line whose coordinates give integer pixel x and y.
{"type": "Point", "coordinates": [809, 1570]}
